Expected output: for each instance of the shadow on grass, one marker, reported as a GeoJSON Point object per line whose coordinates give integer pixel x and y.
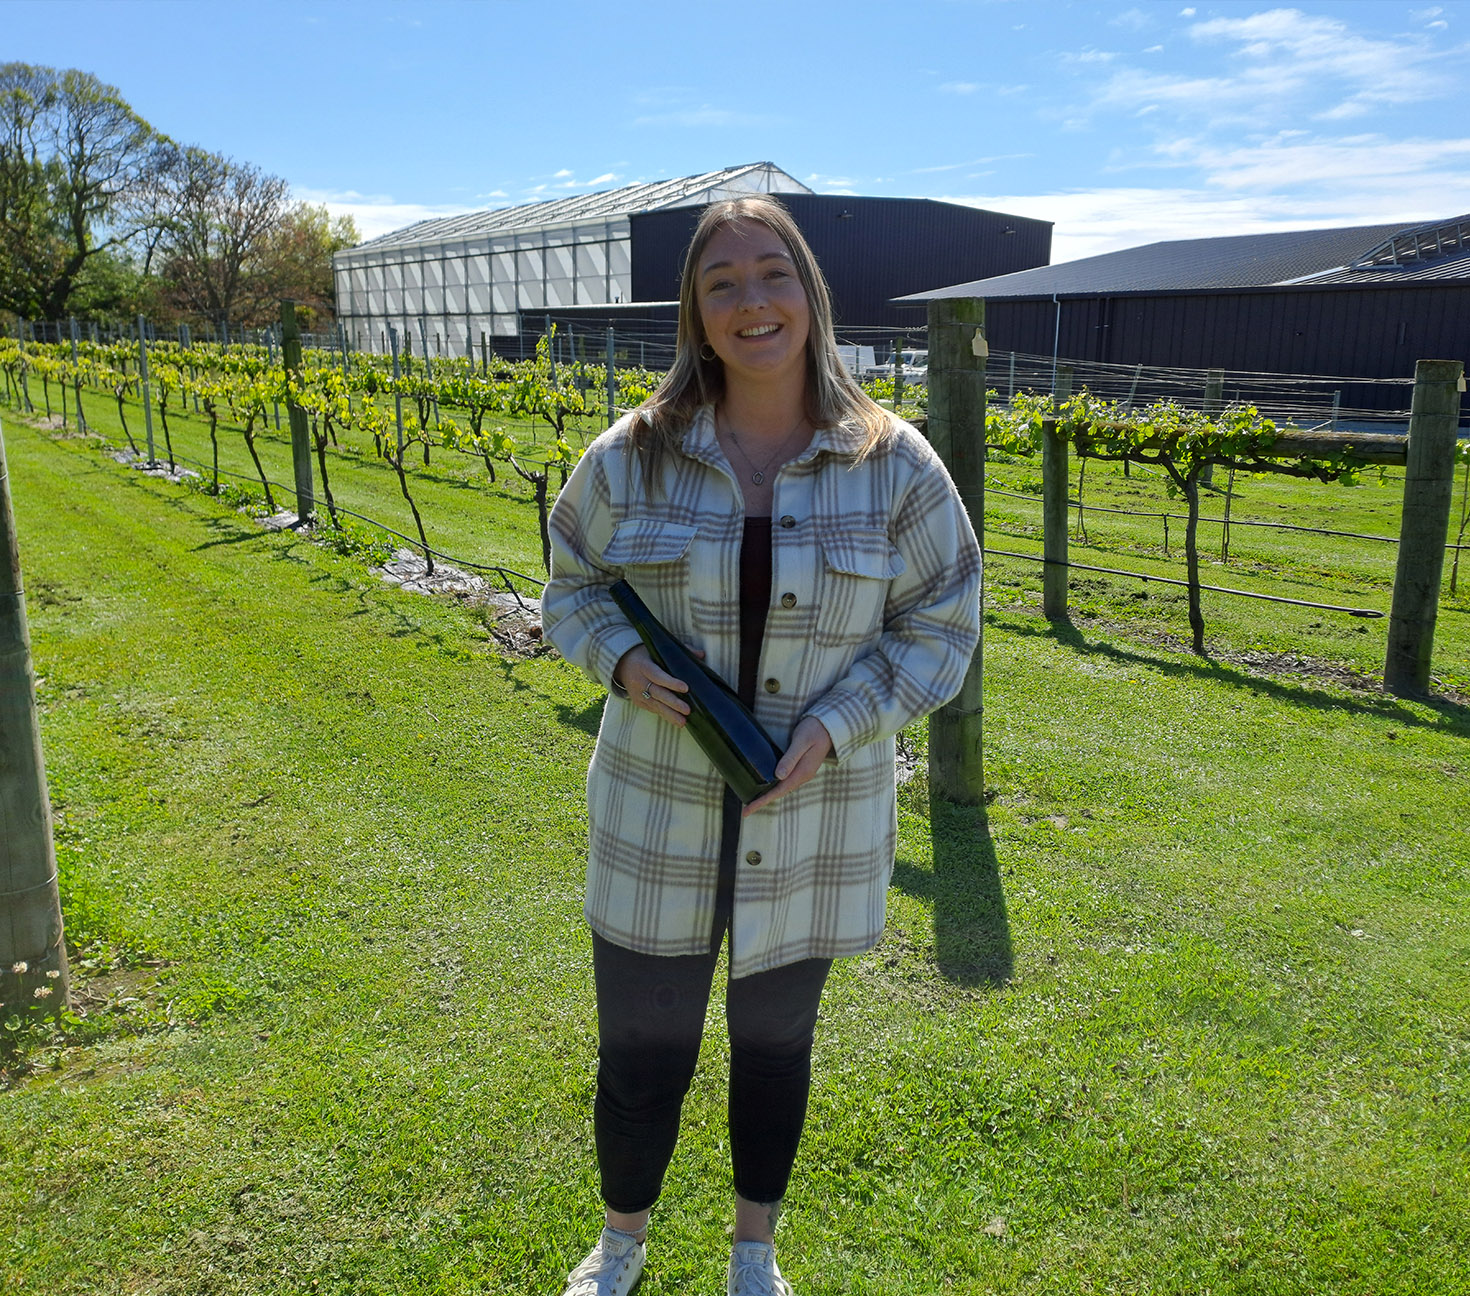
{"type": "Point", "coordinates": [587, 718]}
{"type": "Point", "coordinates": [972, 934]}
{"type": "Point", "coordinates": [1451, 716]}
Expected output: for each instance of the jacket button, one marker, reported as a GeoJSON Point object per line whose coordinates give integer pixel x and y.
{"type": "Point", "coordinates": [788, 521]}
{"type": "Point", "coordinates": [752, 857]}
{"type": "Point", "coordinates": [788, 600]}
{"type": "Point", "coordinates": [773, 686]}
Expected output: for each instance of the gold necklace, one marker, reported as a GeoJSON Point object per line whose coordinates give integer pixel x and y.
{"type": "Point", "coordinates": [758, 475]}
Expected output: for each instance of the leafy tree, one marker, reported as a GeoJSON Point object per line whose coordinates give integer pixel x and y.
{"type": "Point", "coordinates": [297, 262]}
{"type": "Point", "coordinates": [224, 215]}
{"type": "Point", "coordinates": [72, 153]}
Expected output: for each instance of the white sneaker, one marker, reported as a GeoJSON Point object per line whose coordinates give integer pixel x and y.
{"type": "Point", "coordinates": [611, 1269]}
{"type": "Point", "coordinates": [753, 1272]}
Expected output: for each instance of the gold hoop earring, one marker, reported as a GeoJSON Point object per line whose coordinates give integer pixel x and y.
{"type": "Point", "coordinates": [706, 352]}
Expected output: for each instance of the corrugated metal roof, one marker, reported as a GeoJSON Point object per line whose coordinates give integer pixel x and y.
{"type": "Point", "coordinates": [754, 177]}
{"type": "Point", "coordinates": [1448, 270]}
{"type": "Point", "coordinates": [1234, 261]}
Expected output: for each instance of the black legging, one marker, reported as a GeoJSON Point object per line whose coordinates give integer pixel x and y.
{"type": "Point", "coordinates": [650, 1016]}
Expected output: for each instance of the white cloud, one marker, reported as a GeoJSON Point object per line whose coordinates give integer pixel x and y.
{"type": "Point", "coordinates": [1276, 66]}
{"type": "Point", "coordinates": [830, 184]}
{"type": "Point", "coordinates": [1368, 171]}
{"type": "Point", "coordinates": [377, 214]}
{"type": "Point", "coordinates": [1282, 185]}
{"type": "Point", "coordinates": [973, 162]}
{"type": "Point", "coordinates": [959, 87]}
{"type": "Point", "coordinates": [1131, 20]}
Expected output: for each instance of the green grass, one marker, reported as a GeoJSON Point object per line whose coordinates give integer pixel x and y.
{"type": "Point", "coordinates": [1185, 1010]}
{"type": "Point", "coordinates": [1337, 570]}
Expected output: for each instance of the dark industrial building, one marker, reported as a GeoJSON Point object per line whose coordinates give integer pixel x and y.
{"type": "Point", "coordinates": [1363, 302]}
{"type": "Point", "coordinates": [615, 257]}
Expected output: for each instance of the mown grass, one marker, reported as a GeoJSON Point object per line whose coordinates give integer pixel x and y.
{"type": "Point", "coordinates": [1183, 1010]}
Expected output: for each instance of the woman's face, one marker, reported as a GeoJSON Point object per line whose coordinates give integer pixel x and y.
{"type": "Point", "coordinates": [751, 303]}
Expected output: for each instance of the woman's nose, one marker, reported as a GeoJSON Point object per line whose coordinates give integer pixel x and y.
{"type": "Point", "coordinates": [752, 294]}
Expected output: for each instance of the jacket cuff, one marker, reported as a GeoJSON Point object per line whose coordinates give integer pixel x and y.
{"type": "Point", "coordinates": [608, 652]}
{"type": "Point", "coordinates": [847, 719]}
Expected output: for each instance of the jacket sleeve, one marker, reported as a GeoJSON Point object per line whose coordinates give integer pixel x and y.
{"type": "Point", "coordinates": [931, 620]}
{"type": "Point", "coordinates": [577, 614]}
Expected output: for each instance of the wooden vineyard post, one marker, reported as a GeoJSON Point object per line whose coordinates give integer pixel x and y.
{"type": "Point", "coordinates": [1054, 515]}
{"type": "Point", "coordinates": [300, 442]}
{"type": "Point", "coordinates": [612, 377]}
{"type": "Point", "coordinates": [33, 970]}
{"type": "Point", "coordinates": [1428, 485]}
{"type": "Point", "coordinates": [957, 353]}
{"type": "Point", "coordinates": [143, 387]}
{"type": "Point", "coordinates": [1214, 403]}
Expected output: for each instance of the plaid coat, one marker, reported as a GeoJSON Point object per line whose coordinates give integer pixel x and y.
{"type": "Point", "coordinates": [874, 616]}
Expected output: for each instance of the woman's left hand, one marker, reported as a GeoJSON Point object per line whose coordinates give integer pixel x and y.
{"type": "Point", "coordinates": [811, 744]}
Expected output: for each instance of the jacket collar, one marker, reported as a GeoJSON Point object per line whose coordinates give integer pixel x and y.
{"type": "Point", "coordinates": [701, 443]}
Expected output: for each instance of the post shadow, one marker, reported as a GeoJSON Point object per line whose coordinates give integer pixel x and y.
{"type": "Point", "coordinates": [972, 933]}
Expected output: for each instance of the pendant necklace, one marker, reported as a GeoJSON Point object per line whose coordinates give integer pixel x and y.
{"type": "Point", "coordinates": [758, 475]}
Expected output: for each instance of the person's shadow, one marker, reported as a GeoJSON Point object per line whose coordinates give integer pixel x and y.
{"type": "Point", "coordinates": [972, 935]}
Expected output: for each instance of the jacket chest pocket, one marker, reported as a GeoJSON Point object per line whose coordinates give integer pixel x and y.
{"type": "Point", "coordinates": [655, 555]}
{"type": "Point", "coordinates": [857, 567]}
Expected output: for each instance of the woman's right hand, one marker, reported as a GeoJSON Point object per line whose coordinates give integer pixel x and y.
{"type": "Point", "coordinates": [651, 687]}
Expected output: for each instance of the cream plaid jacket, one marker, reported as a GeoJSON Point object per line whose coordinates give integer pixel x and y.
{"type": "Point", "coordinates": [874, 615]}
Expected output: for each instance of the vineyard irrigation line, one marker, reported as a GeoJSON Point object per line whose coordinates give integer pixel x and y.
{"type": "Point", "coordinates": [1214, 521]}
{"type": "Point", "coordinates": [1367, 613]}
{"type": "Point", "coordinates": [505, 573]}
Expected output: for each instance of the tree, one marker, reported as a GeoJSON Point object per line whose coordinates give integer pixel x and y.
{"type": "Point", "coordinates": [223, 216]}
{"type": "Point", "coordinates": [298, 260]}
{"type": "Point", "coordinates": [72, 153]}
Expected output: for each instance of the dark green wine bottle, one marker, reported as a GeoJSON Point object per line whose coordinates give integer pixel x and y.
{"type": "Point", "coordinates": [723, 726]}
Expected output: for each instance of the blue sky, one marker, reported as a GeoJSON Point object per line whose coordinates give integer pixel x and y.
{"type": "Point", "coordinates": [1123, 123]}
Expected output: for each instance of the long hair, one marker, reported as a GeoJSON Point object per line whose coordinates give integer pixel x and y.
{"type": "Point", "coordinates": [832, 394]}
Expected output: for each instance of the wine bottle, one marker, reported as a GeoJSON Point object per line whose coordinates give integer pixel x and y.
{"type": "Point", "coordinates": [723, 726]}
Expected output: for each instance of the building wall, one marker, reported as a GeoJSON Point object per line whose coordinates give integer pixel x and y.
{"type": "Point", "coordinates": [870, 249]}
{"type": "Point", "coordinates": [1371, 332]}
{"type": "Point", "coordinates": [467, 286]}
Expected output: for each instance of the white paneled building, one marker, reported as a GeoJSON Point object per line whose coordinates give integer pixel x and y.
{"type": "Point", "coordinates": [480, 272]}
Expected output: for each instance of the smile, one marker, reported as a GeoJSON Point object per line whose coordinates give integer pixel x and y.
{"type": "Point", "coordinates": [757, 330]}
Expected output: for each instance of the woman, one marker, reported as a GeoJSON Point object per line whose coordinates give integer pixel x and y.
{"type": "Point", "coordinates": [812, 546]}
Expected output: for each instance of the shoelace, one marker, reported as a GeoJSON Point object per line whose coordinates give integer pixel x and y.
{"type": "Point", "coordinates": [753, 1278]}
{"type": "Point", "coordinates": [610, 1266]}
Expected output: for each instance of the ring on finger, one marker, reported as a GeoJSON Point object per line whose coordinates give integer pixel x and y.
{"type": "Point", "coordinates": [645, 695]}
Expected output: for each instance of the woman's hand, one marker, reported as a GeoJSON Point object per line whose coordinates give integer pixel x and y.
{"type": "Point", "coordinates": [651, 687]}
{"type": "Point", "coordinates": [811, 744]}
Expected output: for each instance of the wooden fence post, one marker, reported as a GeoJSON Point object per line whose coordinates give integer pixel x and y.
{"type": "Point", "coordinates": [956, 429]}
{"type": "Point", "coordinates": [143, 388]}
{"type": "Point", "coordinates": [1434, 424]}
{"type": "Point", "coordinates": [1055, 519]}
{"type": "Point", "coordinates": [1214, 403]}
{"type": "Point", "coordinates": [612, 378]}
{"type": "Point", "coordinates": [33, 970]}
{"type": "Point", "coordinates": [300, 443]}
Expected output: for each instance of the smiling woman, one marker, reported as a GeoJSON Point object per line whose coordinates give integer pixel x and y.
{"type": "Point", "coordinates": [811, 548]}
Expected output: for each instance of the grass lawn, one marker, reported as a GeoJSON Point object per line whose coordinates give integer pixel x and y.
{"type": "Point", "coordinates": [1186, 1010]}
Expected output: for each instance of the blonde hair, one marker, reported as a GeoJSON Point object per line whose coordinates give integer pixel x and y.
{"type": "Point", "coordinates": [832, 394]}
